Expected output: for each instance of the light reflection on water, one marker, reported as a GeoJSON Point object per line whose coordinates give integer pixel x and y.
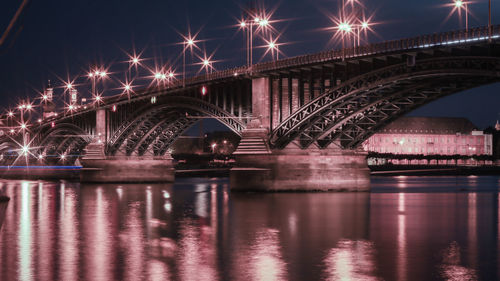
{"type": "Point", "coordinates": [406, 229]}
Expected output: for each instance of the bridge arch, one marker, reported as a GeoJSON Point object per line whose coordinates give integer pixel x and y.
{"type": "Point", "coordinates": [350, 113]}
{"type": "Point", "coordinates": [64, 139]}
{"type": "Point", "coordinates": [9, 152]}
{"type": "Point", "coordinates": [154, 127]}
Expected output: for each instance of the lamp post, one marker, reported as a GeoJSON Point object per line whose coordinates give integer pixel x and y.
{"type": "Point", "coordinates": [206, 64]}
{"type": "Point", "coordinates": [344, 29]}
{"type": "Point", "coordinates": [133, 62]}
{"type": "Point", "coordinates": [459, 4]}
{"type": "Point", "coordinates": [273, 46]}
{"type": "Point", "coordinates": [188, 43]}
{"type": "Point", "coordinates": [243, 25]}
{"type": "Point", "coordinates": [92, 77]}
{"type": "Point", "coordinates": [248, 25]}
{"type": "Point", "coordinates": [489, 19]}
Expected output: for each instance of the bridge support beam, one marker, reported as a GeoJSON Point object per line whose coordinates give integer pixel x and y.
{"type": "Point", "coordinates": [293, 169]}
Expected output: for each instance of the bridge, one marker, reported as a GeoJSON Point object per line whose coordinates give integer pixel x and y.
{"type": "Point", "coordinates": [301, 120]}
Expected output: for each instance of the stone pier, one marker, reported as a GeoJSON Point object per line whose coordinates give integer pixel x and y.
{"type": "Point", "coordinates": [99, 168]}
{"type": "Point", "coordinates": [127, 170]}
{"type": "Point", "coordinates": [294, 169]}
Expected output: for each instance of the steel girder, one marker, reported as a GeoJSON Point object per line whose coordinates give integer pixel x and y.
{"type": "Point", "coordinates": [353, 131]}
{"type": "Point", "coordinates": [8, 152]}
{"type": "Point", "coordinates": [170, 134]}
{"type": "Point", "coordinates": [317, 119]}
{"type": "Point", "coordinates": [147, 125]}
{"type": "Point", "coordinates": [148, 131]}
{"type": "Point", "coordinates": [65, 139]}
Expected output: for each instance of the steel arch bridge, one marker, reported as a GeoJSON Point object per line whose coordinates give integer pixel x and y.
{"type": "Point", "coordinates": [337, 98]}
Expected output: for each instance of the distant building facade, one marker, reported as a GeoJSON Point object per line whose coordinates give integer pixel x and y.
{"type": "Point", "coordinates": [431, 136]}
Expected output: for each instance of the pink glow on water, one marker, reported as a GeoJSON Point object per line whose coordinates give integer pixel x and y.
{"type": "Point", "coordinates": [350, 260]}
{"type": "Point", "coordinates": [66, 231]}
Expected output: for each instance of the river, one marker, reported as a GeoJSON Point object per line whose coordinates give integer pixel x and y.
{"type": "Point", "coordinates": [407, 228]}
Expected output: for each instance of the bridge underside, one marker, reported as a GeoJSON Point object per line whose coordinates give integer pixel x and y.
{"type": "Point", "coordinates": [349, 114]}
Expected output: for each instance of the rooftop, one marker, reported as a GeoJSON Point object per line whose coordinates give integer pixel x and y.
{"type": "Point", "coordinates": [430, 125]}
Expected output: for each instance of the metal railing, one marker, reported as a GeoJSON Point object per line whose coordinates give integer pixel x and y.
{"type": "Point", "coordinates": [424, 41]}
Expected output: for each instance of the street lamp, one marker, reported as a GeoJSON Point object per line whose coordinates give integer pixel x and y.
{"type": "Point", "coordinates": [134, 61]}
{"type": "Point", "coordinates": [272, 46]}
{"type": "Point", "coordinates": [344, 28]}
{"type": "Point", "coordinates": [489, 19]}
{"type": "Point", "coordinates": [364, 26]}
{"type": "Point", "coordinates": [459, 4]}
{"type": "Point", "coordinates": [206, 63]}
{"type": "Point", "coordinates": [189, 43]}
{"type": "Point", "coordinates": [94, 75]}
{"type": "Point", "coordinates": [262, 23]}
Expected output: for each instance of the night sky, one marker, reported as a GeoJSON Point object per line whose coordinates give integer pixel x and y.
{"type": "Point", "coordinates": [61, 38]}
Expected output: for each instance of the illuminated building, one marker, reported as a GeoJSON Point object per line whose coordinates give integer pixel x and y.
{"type": "Point", "coordinates": [430, 136]}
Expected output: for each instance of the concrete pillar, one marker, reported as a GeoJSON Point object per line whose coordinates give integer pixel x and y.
{"type": "Point", "coordinates": [294, 169]}
{"type": "Point", "coordinates": [261, 101]}
{"type": "Point", "coordinates": [100, 124]}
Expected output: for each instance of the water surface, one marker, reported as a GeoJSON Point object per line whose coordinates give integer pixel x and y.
{"type": "Point", "coordinates": [408, 228]}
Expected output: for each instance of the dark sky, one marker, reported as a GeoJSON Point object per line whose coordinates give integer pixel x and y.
{"type": "Point", "coordinates": [61, 38]}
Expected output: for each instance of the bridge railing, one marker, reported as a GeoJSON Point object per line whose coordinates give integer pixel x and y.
{"type": "Point", "coordinates": [424, 41]}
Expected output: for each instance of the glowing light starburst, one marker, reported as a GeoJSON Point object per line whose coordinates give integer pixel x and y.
{"type": "Point", "coordinates": [206, 63]}
{"type": "Point", "coordinates": [459, 7]}
{"type": "Point", "coordinates": [273, 47]}
{"type": "Point", "coordinates": [127, 88]}
{"type": "Point", "coordinates": [190, 41]}
{"type": "Point", "coordinates": [97, 99]}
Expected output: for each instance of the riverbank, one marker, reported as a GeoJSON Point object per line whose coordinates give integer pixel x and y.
{"type": "Point", "coordinates": [73, 173]}
{"type": "Point", "coordinates": [433, 170]}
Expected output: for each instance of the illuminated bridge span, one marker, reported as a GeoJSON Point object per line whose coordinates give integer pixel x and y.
{"type": "Point", "coordinates": [302, 119]}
